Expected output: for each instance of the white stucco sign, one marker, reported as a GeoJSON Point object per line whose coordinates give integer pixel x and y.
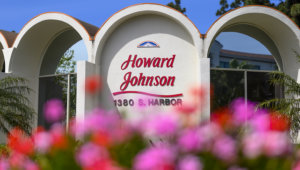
{"type": "Point", "coordinates": [148, 60]}
{"type": "Point", "coordinates": [155, 72]}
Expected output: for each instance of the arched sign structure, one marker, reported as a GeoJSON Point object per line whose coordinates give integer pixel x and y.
{"type": "Point", "coordinates": [6, 41]}
{"type": "Point", "coordinates": [146, 49]}
{"type": "Point", "coordinates": [279, 34]}
{"type": "Point", "coordinates": [41, 43]}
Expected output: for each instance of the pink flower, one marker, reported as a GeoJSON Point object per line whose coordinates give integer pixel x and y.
{"type": "Point", "coordinates": [189, 163]}
{"type": "Point", "coordinates": [59, 139]}
{"type": "Point", "coordinates": [260, 122]}
{"type": "Point", "coordinates": [276, 143]}
{"type": "Point", "coordinates": [224, 148]}
{"type": "Point", "coordinates": [77, 129]}
{"type": "Point", "coordinates": [89, 154]}
{"type": "Point", "coordinates": [159, 158]}
{"type": "Point", "coordinates": [54, 110]}
{"type": "Point", "coordinates": [4, 165]}
{"type": "Point", "coordinates": [190, 140]}
{"type": "Point", "coordinates": [253, 144]}
{"type": "Point", "coordinates": [210, 132]}
{"type": "Point", "coordinates": [236, 168]}
{"type": "Point", "coordinates": [271, 143]}
{"type": "Point", "coordinates": [160, 125]}
{"type": "Point", "coordinates": [29, 165]}
{"type": "Point", "coordinates": [200, 138]}
{"type": "Point", "coordinates": [242, 110]}
{"type": "Point", "coordinates": [102, 120]}
{"type": "Point", "coordinates": [42, 141]}
{"type": "Point", "coordinates": [297, 166]}
{"type": "Point", "coordinates": [17, 159]}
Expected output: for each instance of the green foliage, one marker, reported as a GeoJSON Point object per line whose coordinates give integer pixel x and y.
{"type": "Point", "coordinates": [289, 7]}
{"type": "Point", "coordinates": [124, 153]}
{"type": "Point", "coordinates": [60, 158]}
{"type": "Point", "coordinates": [15, 110]}
{"type": "Point", "coordinates": [177, 6]}
{"type": "Point", "coordinates": [66, 64]}
{"type": "Point", "coordinates": [4, 150]}
{"type": "Point", "coordinates": [290, 105]}
{"type": "Point", "coordinates": [243, 65]}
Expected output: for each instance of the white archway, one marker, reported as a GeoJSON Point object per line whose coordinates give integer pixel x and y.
{"type": "Point", "coordinates": [40, 45]}
{"type": "Point", "coordinates": [38, 35]}
{"type": "Point", "coordinates": [139, 10]}
{"type": "Point", "coordinates": [122, 32]}
{"type": "Point", "coordinates": [270, 27]}
{"type": "Point", "coordinates": [6, 41]}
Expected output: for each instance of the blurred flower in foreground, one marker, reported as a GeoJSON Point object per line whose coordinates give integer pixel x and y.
{"type": "Point", "coordinates": [242, 111]}
{"type": "Point", "coordinates": [54, 110]}
{"type": "Point", "coordinates": [225, 148]}
{"type": "Point", "coordinates": [42, 141]}
{"type": "Point", "coordinates": [187, 108]}
{"type": "Point", "coordinates": [91, 156]}
{"type": "Point", "coordinates": [266, 143]}
{"type": "Point", "coordinates": [93, 84]}
{"type": "Point", "coordinates": [190, 163]}
{"type": "Point", "coordinates": [157, 157]}
{"type": "Point", "coordinates": [190, 140]}
{"type": "Point", "coordinates": [105, 127]}
{"type": "Point", "coordinates": [279, 122]}
{"type": "Point", "coordinates": [161, 125]}
{"type": "Point", "coordinates": [197, 103]}
{"type": "Point", "coordinates": [4, 165]}
{"type": "Point", "coordinates": [19, 142]}
{"type": "Point", "coordinates": [222, 117]}
{"type": "Point", "coordinates": [239, 137]}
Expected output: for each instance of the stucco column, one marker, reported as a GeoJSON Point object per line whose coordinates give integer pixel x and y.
{"type": "Point", "coordinates": [205, 83]}
{"type": "Point", "coordinates": [84, 101]}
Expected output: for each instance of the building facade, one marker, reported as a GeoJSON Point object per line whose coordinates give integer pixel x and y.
{"type": "Point", "coordinates": [221, 58]}
{"type": "Point", "coordinates": [181, 51]}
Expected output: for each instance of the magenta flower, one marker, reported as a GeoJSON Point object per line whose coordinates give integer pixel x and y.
{"type": "Point", "coordinates": [161, 125]}
{"type": "Point", "coordinates": [260, 122]}
{"type": "Point", "coordinates": [237, 168]}
{"type": "Point", "coordinates": [30, 165]}
{"type": "Point", "coordinates": [77, 129]}
{"type": "Point", "coordinates": [102, 120]}
{"type": "Point", "coordinates": [4, 165]}
{"type": "Point", "coordinates": [253, 144]}
{"type": "Point", "coordinates": [276, 143]}
{"type": "Point", "coordinates": [209, 132]}
{"type": "Point", "coordinates": [54, 110]}
{"type": "Point", "coordinates": [159, 158]}
{"type": "Point", "coordinates": [190, 140]}
{"type": "Point", "coordinates": [42, 141]}
{"type": "Point", "coordinates": [189, 163]}
{"type": "Point", "coordinates": [224, 148]}
{"type": "Point", "coordinates": [17, 159]}
{"type": "Point", "coordinates": [271, 143]}
{"type": "Point", "coordinates": [90, 153]}
{"type": "Point", "coordinates": [297, 166]}
{"type": "Point", "coordinates": [243, 111]}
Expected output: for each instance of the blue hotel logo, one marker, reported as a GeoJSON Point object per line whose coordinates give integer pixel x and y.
{"type": "Point", "coordinates": [148, 44]}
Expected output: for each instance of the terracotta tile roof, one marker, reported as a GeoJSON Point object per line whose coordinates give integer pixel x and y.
{"type": "Point", "coordinates": [91, 29]}
{"type": "Point", "coordinates": [237, 53]}
{"type": "Point", "coordinates": [9, 36]}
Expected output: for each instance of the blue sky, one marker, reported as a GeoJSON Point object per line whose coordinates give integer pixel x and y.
{"type": "Point", "coordinates": [16, 13]}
